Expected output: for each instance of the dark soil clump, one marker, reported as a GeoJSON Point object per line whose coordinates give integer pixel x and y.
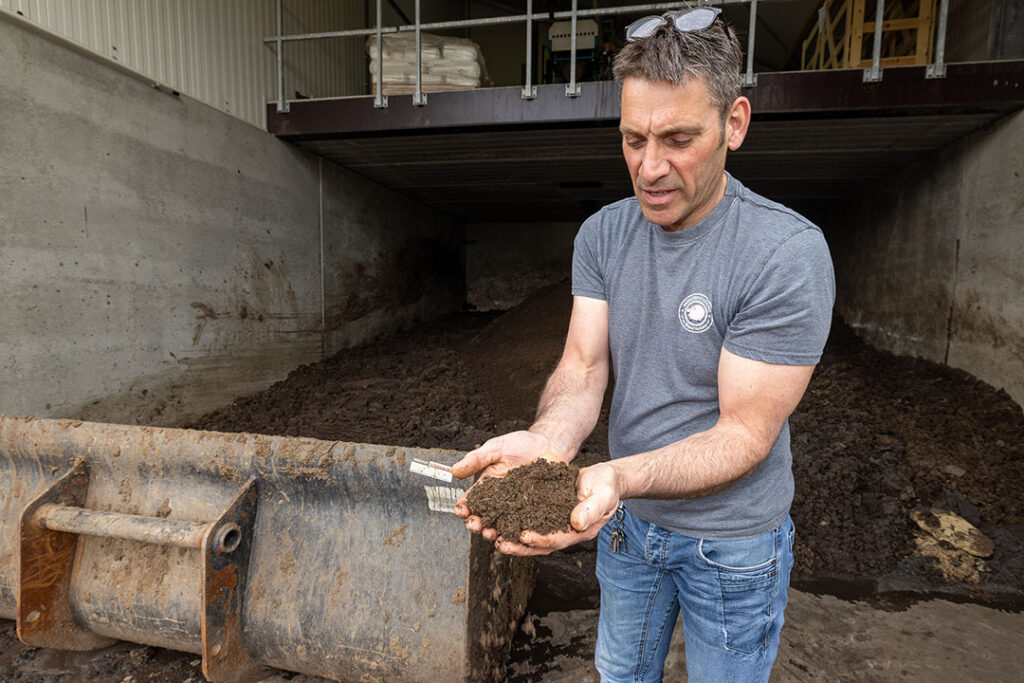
{"type": "Point", "coordinates": [537, 497]}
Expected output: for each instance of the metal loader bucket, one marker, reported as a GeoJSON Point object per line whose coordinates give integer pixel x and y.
{"type": "Point", "coordinates": [315, 556]}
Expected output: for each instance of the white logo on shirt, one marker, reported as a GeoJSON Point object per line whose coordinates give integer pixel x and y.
{"type": "Point", "coordinates": [695, 313]}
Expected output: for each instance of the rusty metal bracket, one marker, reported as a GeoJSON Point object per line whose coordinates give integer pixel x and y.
{"type": "Point", "coordinates": [47, 560]}
{"type": "Point", "coordinates": [226, 547]}
{"type": "Point", "coordinates": [50, 527]}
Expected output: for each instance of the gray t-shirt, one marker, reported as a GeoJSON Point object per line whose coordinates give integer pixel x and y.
{"type": "Point", "coordinates": [754, 277]}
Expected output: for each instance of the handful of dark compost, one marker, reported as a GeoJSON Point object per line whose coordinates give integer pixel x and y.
{"type": "Point", "coordinates": [538, 497]}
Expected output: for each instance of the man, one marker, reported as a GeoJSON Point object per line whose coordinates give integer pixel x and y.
{"type": "Point", "coordinates": [713, 304]}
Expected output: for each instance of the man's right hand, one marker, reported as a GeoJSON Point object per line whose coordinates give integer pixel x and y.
{"type": "Point", "coordinates": [495, 459]}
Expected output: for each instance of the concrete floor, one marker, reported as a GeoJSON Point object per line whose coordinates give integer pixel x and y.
{"type": "Point", "coordinates": [828, 639]}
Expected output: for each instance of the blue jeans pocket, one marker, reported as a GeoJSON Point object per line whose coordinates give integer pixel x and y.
{"type": "Point", "coordinates": [747, 575]}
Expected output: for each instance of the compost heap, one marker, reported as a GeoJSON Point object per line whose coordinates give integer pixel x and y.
{"type": "Point", "coordinates": [876, 438]}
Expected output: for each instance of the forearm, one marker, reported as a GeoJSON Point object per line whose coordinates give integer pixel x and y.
{"type": "Point", "coordinates": [570, 405]}
{"type": "Point", "coordinates": [699, 465]}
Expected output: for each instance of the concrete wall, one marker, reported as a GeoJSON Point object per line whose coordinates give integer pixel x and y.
{"type": "Point", "coordinates": [985, 30]}
{"type": "Point", "coordinates": [970, 23]}
{"type": "Point", "coordinates": [506, 262]}
{"type": "Point", "coordinates": [159, 257]}
{"type": "Point", "coordinates": [389, 260]}
{"type": "Point", "coordinates": [931, 262]}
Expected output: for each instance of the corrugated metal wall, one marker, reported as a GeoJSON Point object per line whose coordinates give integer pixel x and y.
{"type": "Point", "coordinates": [321, 68]}
{"type": "Point", "coordinates": [213, 50]}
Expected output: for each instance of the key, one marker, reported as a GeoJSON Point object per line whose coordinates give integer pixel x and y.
{"type": "Point", "coordinates": [618, 540]}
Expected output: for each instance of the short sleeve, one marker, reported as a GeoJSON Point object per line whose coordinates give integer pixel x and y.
{"type": "Point", "coordinates": [785, 315]}
{"type": "Point", "coordinates": [587, 270]}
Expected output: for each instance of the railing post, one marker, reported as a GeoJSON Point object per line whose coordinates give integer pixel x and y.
{"type": "Point", "coordinates": [418, 98]}
{"type": "Point", "coordinates": [937, 69]}
{"type": "Point", "coordinates": [572, 88]}
{"type": "Point", "coordinates": [380, 100]}
{"type": "Point", "coordinates": [529, 89]}
{"type": "Point", "coordinates": [874, 74]}
{"type": "Point", "coordinates": [750, 78]}
{"type": "Point", "coordinates": [282, 103]}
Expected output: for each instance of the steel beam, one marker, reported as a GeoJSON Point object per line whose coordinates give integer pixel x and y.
{"type": "Point", "coordinates": [282, 101]}
{"type": "Point", "coordinates": [380, 100]}
{"type": "Point", "coordinates": [874, 73]}
{"type": "Point", "coordinates": [974, 87]}
{"type": "Point", "coordinates": [750, 78]}
{"type": "Point", "coordinates": [77, 520]}
{"type": "Point", "coordinates": [529, 89]}
{"type": "Point", "coordinates": [572, 88]}
{"type": "Point", "coordinates": [937, 69]}
{"type": "Point", "coordinates": [418, 98]}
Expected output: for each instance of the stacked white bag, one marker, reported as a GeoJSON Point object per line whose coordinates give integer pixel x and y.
{"type": "Point", "coordinates": [448, 63]}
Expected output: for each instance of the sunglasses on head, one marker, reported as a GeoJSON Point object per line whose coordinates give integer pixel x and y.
{"type": "Point", "coordinates": [684, 21]}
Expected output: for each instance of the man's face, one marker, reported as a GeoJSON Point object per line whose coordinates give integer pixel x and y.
{"type": "Point", "coordinates": [674, 142]}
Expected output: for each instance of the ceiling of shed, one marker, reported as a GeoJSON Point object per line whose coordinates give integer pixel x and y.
{"type": "Point", "coordinates": [565, 174]}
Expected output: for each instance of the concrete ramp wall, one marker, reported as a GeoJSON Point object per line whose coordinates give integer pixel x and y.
{"type": "Point", "coordinates": [931, 263]}
{"type": "Point", "coordinates": [158, 257]}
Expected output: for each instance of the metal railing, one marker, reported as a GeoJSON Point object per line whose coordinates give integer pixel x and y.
{"type": "Point", "coordinates": [937, 69]}
{"type": "Point", "coordinates": [572, 89]}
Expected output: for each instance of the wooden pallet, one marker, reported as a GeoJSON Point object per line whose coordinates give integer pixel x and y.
{"type": "Point", "coordinates": [841, 36]}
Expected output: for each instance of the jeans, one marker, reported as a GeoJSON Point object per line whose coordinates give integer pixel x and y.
{"type": "Point", "coordinates": [731, 593]}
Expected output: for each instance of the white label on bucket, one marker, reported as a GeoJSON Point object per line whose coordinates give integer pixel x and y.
{"type": "Point", "coordinates": [431, 469]}
{"type": "Point", "coordinates": [442, 498]}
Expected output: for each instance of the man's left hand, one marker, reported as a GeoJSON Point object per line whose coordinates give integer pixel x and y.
{"type": "Point", "coordinates": [598, 492]}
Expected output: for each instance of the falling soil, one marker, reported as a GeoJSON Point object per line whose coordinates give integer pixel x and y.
{"type": "Point", "coordinates": [537, 497]}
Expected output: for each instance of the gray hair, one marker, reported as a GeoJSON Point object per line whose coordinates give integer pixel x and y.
{"type": "Point", "coordinates": [713, 54]}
